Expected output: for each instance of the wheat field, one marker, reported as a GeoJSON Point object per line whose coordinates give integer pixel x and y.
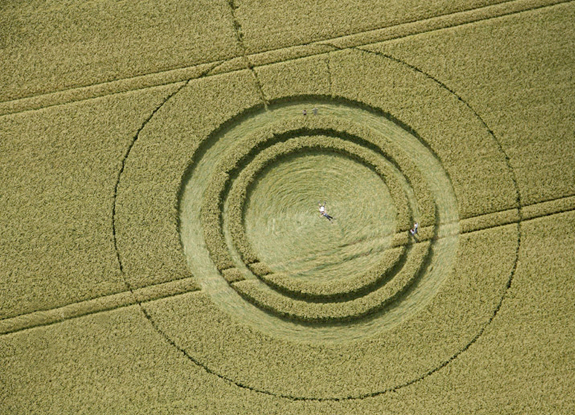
{"type": "Point", "coordinates": [163, 165]}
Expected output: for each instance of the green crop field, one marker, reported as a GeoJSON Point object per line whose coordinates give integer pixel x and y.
{"type": "Point", "coordinates": [162, 169]}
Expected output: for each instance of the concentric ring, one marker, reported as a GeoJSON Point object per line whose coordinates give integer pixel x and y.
{"type": "Point", "coordinates": [381, 137]}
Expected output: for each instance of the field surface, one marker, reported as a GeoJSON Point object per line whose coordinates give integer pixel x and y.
{"type": "Point", "coordinates": [162, 165]}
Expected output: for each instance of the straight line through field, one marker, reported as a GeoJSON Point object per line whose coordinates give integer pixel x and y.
{"type": "Point", "coordinates": [365, 38]}
{"type": "Point", "coordinates": [245, 56]}
{"type": "Point", "coordinates": [97, 305]}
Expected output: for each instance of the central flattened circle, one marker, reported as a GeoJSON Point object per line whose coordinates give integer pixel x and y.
{"type": "Point", "coordinates": [289, 234]}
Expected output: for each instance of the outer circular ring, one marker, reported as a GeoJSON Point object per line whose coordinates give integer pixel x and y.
{"type": "Point", "coordinates": [453, 346]}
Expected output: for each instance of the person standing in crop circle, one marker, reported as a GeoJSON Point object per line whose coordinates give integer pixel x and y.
{"type": "Point", "coordinates": [323, 213]}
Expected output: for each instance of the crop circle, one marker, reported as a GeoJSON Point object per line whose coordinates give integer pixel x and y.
{"type": "Point", "coordinates": [281, 307]}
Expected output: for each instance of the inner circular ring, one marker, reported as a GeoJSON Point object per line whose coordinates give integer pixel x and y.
{"type": "Point", "coordinates": [360, 277]}
{"type": "Point", "coordinates": [380, 171]}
